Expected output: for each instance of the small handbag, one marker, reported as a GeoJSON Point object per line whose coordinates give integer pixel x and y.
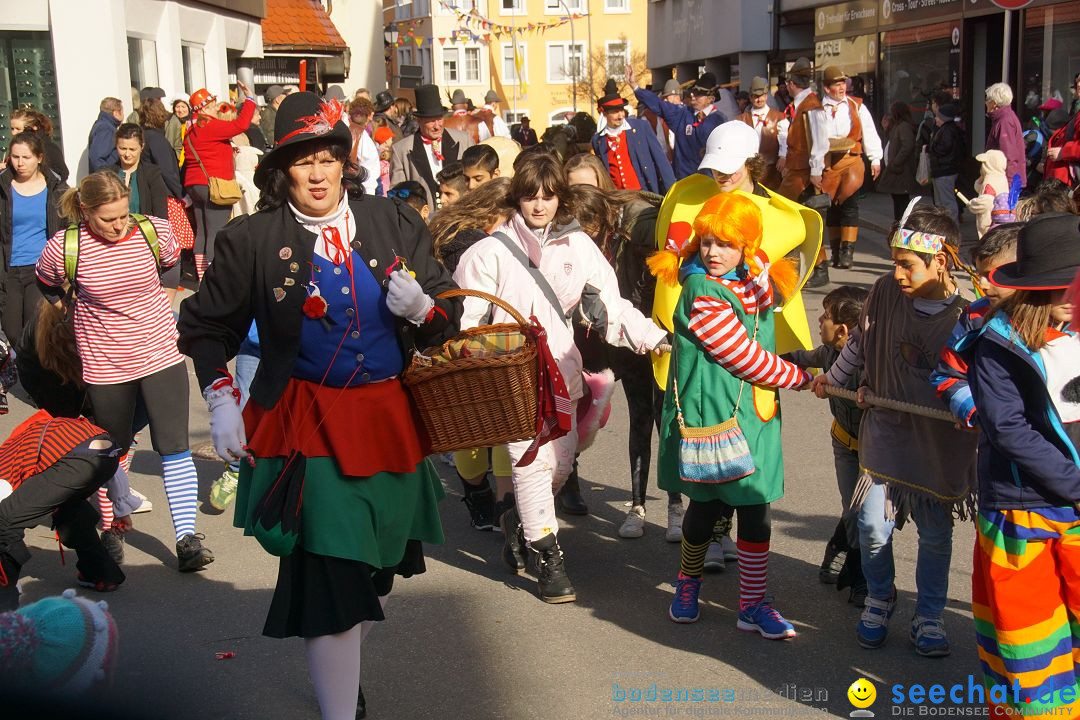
{"type": "Point", "coordinates": [222, 191]}
{"type": "Point", "coordinates": [716, 454]}
{"type": "Point", "coordinates": [178, 220]}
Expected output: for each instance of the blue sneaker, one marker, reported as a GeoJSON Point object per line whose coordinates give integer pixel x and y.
{"type": "Point", "coordinates": [684, 606]}
{"type": "Point", "coordinates": [873, 626]}
{"type": "Point", "coordinates": [764, 618]}
{"type": "Point", "coordinates": [928, 635]}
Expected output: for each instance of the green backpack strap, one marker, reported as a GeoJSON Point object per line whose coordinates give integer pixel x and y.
{"type": "Point", "coordinates": [71, 252]}
{"type": "Point", "coordinates": [151, 236]}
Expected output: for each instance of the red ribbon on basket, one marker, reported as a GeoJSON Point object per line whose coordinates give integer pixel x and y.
{"type": "Point", "coordinates": [554, 409]}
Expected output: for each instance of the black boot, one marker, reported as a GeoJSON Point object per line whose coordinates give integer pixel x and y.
{"type": "Point", "coordinates": [480, 500]}
{"type": "Point", "coordinates": [834, 244]}
{"type": "Point", "coordinates": [513, 552]}
{"type": "Point", "coordinates": [569, 497]}
{"type": "Point", "coordinates": [818, 278]}
{"type": "Point", "coordinates": [847, 255]}
{"type": "Point", "coordinates": [361, 704]}
{"type": "Point", "coordinates": [9, 580]}
{"type": "Point", "coordinates": [551, 576]}
{"type": "Point", "coordinates": [835, 555]}
{"type": "Point", "coordinates": [501, 506]}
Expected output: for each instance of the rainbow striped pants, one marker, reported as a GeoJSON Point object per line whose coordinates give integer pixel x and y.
{"type": "Point", "coordinates": [1026, 602]}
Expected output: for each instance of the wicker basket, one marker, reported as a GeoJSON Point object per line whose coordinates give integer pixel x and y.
{"type": "Point", "coordinates": [481, 401]}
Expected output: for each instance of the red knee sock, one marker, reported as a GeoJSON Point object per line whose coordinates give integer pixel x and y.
{"type": "Point", "coordinates": [753, 571]}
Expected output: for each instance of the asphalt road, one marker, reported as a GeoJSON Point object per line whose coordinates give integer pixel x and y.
{"type": "Point", "coordinates": [467, 639]}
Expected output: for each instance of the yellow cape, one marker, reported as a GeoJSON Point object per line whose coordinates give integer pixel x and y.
{"type": "Point", "coordinates": [789, 227]}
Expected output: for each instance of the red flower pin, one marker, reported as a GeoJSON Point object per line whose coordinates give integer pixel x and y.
{"type": "Point", "coordinates": [315, 307]}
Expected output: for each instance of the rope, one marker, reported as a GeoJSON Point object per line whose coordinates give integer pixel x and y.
{"type": "Point", "coordinates": [871, 399]}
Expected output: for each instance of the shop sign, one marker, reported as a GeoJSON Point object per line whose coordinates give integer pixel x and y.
{"type": "Point", "coordinates": [894, 12]}
{"type": "Point", "coordinates": [992, 5]}
{"type": "Point", "coordinates": [847, 18]}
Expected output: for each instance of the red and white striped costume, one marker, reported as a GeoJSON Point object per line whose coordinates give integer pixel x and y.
{"type": "Point", "coordinates": [715, 323]}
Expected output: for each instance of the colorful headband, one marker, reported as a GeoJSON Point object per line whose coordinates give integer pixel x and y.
{"type": "Point", "coordinates": [916, 241]}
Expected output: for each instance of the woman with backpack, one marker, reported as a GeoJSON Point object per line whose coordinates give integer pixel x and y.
{"type": "Point", "coordinates": [125, 332]}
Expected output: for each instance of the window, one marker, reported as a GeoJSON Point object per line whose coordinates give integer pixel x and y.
{"type": "Point", "coordinates": [618, 57]}
{"type": "Point", "coordinates": [411, 9]}
{"type": "Point", "coordinates": [472, 65]}
{"type": "Point", "coordinates": [450, 60]}
{"type": "Point", "coordinates": [560, 117]}
{"type": "Point", "coordinates": [142, 62]}
{"type": "Point", "coordinates": [510, 74]}
{"type": "Point", "coordinates": [465, 6]}
{"type": "Point", "coordinates": [404, 56]}
{"type": "Point", "coordinates": [554, 7]}
{"type": "Point", "coordinates": [617, 6]}
{"type": "Point", "coordinates": [194, 60]}
{"type": "Point", "coordinates": [512, 117]}
{"type": "Point", "coordinates": [564, 62]}
{"type": "Point", "coordinates": [424, 58]}
{"type": "Point", "coordinates": [511, 7]}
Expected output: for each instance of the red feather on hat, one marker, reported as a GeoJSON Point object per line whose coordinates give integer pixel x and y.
{"type": "Point", "coordinates": [330, 113]}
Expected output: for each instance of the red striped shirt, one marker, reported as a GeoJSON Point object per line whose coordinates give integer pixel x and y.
{"type": "Point", "coordinates": [124, 325]}
{"type": "Point", "coordinates": [725, 338]}
{"type": "Point", "coordinates": [39, 442]}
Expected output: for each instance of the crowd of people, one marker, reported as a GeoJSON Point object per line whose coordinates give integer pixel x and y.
{"type": "Point", "coordinates": [318, 238]}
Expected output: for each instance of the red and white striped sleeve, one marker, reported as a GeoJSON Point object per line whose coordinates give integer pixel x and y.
{"type": "Point", "coordinates": [715, 324]}
{"type": "Point", "coordinates": [168, 247]}
{"type": "Point", "coordinates": [50, 264]}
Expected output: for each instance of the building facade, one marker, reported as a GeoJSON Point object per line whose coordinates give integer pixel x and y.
{"type": "Point", "coordinates": [64, 56]}
{"type": "Point", "coordinates": [545, 58]}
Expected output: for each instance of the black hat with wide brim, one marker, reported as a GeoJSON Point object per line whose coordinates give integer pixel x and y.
{"type": "Point", "coordinates": [1047, 255]}
{"type": "Point", "coordinates": [301, 118]}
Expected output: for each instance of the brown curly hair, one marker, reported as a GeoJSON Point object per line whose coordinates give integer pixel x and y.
{"type": "Point", "coordinates": [483, 208]}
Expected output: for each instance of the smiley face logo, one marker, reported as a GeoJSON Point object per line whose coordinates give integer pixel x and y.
{"type": "Point", "coordinates": [862, 693]}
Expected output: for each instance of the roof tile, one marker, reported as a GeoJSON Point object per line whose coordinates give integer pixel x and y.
{"type": "Point", "coordinates": [292, 24]}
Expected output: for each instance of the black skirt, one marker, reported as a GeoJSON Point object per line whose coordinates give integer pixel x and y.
{"type": "Point", "coordinates": [322, 595]}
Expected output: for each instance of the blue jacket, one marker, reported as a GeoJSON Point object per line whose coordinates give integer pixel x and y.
{"type": "Point", "coordinates": [1026, 458]}
{"type": "Point", "coordinates": [101, 150]}
{"type": "Point", "coordinates": [690, 136]}
{"type": "Point", "coordinates": [648, 158]}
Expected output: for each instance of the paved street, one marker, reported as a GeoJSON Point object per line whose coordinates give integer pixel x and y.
{"type": "Point", "coordinates": [469, 640]}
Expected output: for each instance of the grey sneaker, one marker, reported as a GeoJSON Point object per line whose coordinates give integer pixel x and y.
{"type": "Point", "coordinates": [714, 558]}
{"type": "Point", "coordinates": [191, 554]}
{"type": "Point", "coordinates": [673, 534]}
{"type": "Point", "coordinates": [634, 524]}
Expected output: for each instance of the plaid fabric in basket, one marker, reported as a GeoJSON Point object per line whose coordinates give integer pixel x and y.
{"type": "Point", "coordinates": [486, 345]}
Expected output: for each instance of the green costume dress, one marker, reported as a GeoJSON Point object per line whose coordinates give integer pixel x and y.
{"type": "Point", "coordinates": [708, 394]}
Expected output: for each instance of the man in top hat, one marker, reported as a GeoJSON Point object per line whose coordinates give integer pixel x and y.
{"type": "Point", "coordinates": [459, 104]}
{"type": "Point", "coordinates": [273, 96]}
{"type": "Point", "coordinates": [499, 128]}
{"type": "Point", "coordinates": [766, 122]}
{"type": "Point", "coordinates": [421, 156]}
{"type": "Point", "coordinates": [690, 125]}
{"type": "Point", "coordinates": [629, 149]}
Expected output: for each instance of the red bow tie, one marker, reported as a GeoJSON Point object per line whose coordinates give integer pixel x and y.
{"type": "Point", "coordinates": [436, 147]}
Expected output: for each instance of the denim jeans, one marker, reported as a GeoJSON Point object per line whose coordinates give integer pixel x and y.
{"type": "Point", "coordinates": [935, 528]}
{"type": "Point", "coordinates": [944, 195]}
{"type": "Point", "coordinates": [846, 463]}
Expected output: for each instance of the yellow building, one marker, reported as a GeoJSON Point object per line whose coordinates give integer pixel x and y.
{"type": "Point", "coordinates": [539, 55]}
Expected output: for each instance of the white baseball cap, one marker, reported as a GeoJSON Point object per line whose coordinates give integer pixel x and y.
{"type": "Point", "coordinates": [728, 147]}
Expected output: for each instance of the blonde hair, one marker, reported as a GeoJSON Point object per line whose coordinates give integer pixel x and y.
{"type": "Point", "coordinates": [587, 160]}
{"type": "Point", "coordinates": [1029, 314]}
{"type": "Point", "coordinates": [93, 191]}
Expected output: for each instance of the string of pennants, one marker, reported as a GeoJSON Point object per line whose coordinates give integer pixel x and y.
{"type": "Point", "coordinates": [477, 28]}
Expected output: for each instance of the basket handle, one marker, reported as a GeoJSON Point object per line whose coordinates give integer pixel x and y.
{"type": "Point", "coordinates": [462, 292]}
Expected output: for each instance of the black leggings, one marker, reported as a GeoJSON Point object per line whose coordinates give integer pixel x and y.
{"type": "Point", "coordinates": [209, 219]}
{"type": "Point", "coordinates": [755, 524]}
{"type": "Point", "coordinates": [21, 298]}
{"type": "Point", "coordinates": [645, 403]}
{"type": "Point", "coordinates": [165, 394]}
{"type": "Point", "coordinates": [899, 205]}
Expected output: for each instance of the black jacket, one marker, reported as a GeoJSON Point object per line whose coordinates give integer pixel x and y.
{"type": "Point", "coordinates": [947, 150]}
{"type": "Point", "coordinates": [53, 223]}
{"type": "Point", "coordinates": [54, 158]}
{"type": "Point", "coordinates": [152, 190]}
{"type": "Point", "coordinates": [256, 254]}
{"type": "Point", "coordinates": [158, 151]}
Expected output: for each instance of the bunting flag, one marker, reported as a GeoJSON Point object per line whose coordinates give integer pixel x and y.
{"type": "Point", "coordinates": [474, 20]}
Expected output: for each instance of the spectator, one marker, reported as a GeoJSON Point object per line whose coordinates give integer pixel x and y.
{"type": "Point", "coordinates": [143, 180]}
{"type": "Point", "coordinates": [254, 133]}
{"type": "Point", "coordinates": [629, 149]}
{"type": "Point", "coordinates": [1063, 147]}
{"type": "Point", "coordinates": [101, 150]}
{"type": "Point", "coordinates": [499, 128]}
{"type": "Point", "coordinates": [384, 139]}
{"type": "Point", "coordinates": [273, 96]}
{"type": "Point", "coordinates": [364, 151]}
{"type": "Point", "coordinates": [413, 194]}
{"type": "Point", "coordinates": [587, 169]}
{"type": "Point", "coordinates": [479, 164]}
{"type": "Point", "coordinates": [1006, 133]}
{"type": "Point", "coordinates": [176, 126]}
{"type": "Point", "coordinates": [525, 136]}
{"type": "Point", "coordinates": [27, 119]}
{"type": "Point", "coordinates": [386, 114]}
{"type": "Point", "coordinates": [898, 176]}
{"type": "Point", "coordinates": [452, 183]}
{"type": "Point", "coordinates": [157, 150]}
{"type": "Point", "coordinates": [947, 151]}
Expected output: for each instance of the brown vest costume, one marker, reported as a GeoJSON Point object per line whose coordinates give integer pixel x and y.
{"type": "Point", "coordinates": [770, 144]}
{"type": "Point", "coordinates": [844, 171]}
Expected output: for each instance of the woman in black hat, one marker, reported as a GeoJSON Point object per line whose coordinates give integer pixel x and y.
{"type": "Point", "coordinates": [341, 287]}
{"type": "Point", "coordinates": [1025, 380]}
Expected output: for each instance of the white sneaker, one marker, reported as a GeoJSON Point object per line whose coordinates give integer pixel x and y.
{"type": "Point", "coordinates": [714, 557]}
{"type": "Point", "coordinates": [674, 523]}
{"type": "Point", "coordinates": [731, 553]}
{"type": "Point", "coordinates": [634, 524]}
{"type": "Point", "coordinates": [146, 505]}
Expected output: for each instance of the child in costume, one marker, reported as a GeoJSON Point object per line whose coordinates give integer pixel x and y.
{"type": "Point", "coordinates": [1025, 382]}
{"type": "Point", "coordinates": [839, 320]}
{"type": "Point", "coordinates": [722, 357]}
{"type": "Point", "coordinates": [912, 466]}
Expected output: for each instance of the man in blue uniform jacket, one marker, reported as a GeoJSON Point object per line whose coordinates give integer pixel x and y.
{"type": "Point", "coordinates": [629, 149]}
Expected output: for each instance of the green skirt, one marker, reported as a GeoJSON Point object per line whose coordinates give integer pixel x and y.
{"type": "Point", "coordinates": [368, 519]}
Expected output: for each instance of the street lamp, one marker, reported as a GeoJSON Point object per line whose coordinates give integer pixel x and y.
{"type": "Point", "coordinates": [573, 44]}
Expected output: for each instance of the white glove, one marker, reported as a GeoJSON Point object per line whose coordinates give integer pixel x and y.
{"type": "Point", "coordinates": [406, 299]}
{"type": "Point", "coordinates": [226, 421]}
{"type": "Point", "coordinates": [981, 204]}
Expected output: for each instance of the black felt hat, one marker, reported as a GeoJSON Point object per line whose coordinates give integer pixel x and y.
{"type": "Point", "coordinates": [1047, 255]}
{"type": "Point", "coordinates": [304, 117]}
{"type": "Point", "coordinates": [383, 101]}
{"type": "Point", "coordinates": [428, 102]}
{"type": "Point", "coordinates": [611, 99]}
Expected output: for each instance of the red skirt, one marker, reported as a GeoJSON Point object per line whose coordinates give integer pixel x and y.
{"type": "Point", "coordinates": [368, 429]}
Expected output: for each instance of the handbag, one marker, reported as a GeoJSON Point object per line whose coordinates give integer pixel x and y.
{"type": "Point", "coordinates": [222, 191]}
{"type": "Point", "coordinates": [922, 172]}
{"type": "Point", "coordinates": [716, 454]}
{"type": "Point", "coordinates": [178, 220]}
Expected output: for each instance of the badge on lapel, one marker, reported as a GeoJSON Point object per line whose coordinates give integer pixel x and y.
{"type": "Point", "coordinates": [285, 253]}
{"type": "Point", "coordinates": [279, 294]}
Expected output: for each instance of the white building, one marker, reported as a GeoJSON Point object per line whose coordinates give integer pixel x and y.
{"type": "Point", "coordinates": [64, 56]}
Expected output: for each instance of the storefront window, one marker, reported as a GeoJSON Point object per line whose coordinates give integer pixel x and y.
{"type": "Point", "coordinates": [857, 56]}
{"type": "Point", "coordinates": [194, 60]}
{"type": "Point", "coordinates": [1051, 56]}
{"type": "Point", "coordinates": [27, 79]}
{"type": "Point", "coordinates": [915, 64]}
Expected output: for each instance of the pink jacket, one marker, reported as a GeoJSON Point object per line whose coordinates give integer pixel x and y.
{"type": "Point", "coordinates": [581, 277]}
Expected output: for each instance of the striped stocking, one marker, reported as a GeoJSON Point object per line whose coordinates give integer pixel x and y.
{"type": "Point", "coordinates": [182, 491]}
{"type": "Point", "coordinates": [105, 507]}
{"type": "Point", "coordinates": [753, 571]}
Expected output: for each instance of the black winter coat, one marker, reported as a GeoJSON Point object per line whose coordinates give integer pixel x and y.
{"type": "Point", "coordinates": [254, 256]}
{"type": "Point", "coordinates": [159, 151]}
{"type": "Point", "coordinates": [152, 190]}
{"type": "Point", "coordinates": [53, 223]}
{"type": "Point", "coordinates": [947, 150]}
